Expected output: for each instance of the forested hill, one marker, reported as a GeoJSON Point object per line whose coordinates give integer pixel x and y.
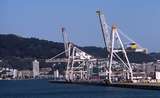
{"type": "Point", "coordinates": [15, 46]}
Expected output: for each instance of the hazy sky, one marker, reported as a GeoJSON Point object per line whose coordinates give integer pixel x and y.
{"type": "Point", "coordinates": [43, 19]}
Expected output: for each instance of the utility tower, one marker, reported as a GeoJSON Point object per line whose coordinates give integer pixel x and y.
{"type": "Point", "coordinates": [114, 46]}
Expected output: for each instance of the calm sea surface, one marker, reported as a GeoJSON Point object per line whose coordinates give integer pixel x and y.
{"type": "Point", "coordinates": [43, 89]}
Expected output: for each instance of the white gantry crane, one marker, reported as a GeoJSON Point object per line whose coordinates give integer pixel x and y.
{"type": "Point", "coordinates": [78, 62]}
{"type": "Point", "coordinates": [114, 46]}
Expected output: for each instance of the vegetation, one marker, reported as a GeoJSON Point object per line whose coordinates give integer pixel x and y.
{"type": "Point", "coordinates": [19, 51]}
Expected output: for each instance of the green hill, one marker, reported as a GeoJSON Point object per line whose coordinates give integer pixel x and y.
{"type": "Point", "coordinates": [16, 50]}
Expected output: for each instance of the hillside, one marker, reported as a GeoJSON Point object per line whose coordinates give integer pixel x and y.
{"type": "Point", "coordinates": [14, 48]}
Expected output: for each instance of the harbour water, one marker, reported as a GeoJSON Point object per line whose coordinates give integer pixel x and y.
{"type": "Point", "coordinates": [43, 89]}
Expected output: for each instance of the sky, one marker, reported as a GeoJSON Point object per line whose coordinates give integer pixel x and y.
{"type": "Point", "coordinates": [139, 19]}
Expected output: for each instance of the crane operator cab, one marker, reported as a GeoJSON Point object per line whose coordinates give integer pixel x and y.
{"type": "Point", "coordinates": [133, 47]}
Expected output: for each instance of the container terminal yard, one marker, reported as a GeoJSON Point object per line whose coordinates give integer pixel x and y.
{"type": "Point", "coordinates": [82, 68]}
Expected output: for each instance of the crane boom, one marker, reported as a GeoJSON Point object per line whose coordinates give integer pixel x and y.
{"type": "Point", "coordinates": [65, 40]}
{"type": "Point", "coordinates": [104, 29]}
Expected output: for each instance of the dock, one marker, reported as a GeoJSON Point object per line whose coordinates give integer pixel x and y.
{"type": "Point", "coordinates": [146, 86]}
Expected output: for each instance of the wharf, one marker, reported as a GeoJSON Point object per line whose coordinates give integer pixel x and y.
{"type": "Point", "coordinates": [146, 86]}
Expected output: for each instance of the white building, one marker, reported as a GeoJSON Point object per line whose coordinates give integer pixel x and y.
{"type": "Point", "coordinates": [56, 74]}
{"type": "Point", "coordinates": [35, 68]}
{"type": "Point", "coordinates": [15, 73]}
{"type": "Point", "coordinates": [157, 75]}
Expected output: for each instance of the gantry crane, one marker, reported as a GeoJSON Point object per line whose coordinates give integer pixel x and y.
{"type": "Point", "coordinates": [114, 46]}
{"type": "Point", "coordinates": [78, 62]}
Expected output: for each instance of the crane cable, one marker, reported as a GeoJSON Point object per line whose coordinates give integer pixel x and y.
{"type": "Point", "coordinates": [127, 37]}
